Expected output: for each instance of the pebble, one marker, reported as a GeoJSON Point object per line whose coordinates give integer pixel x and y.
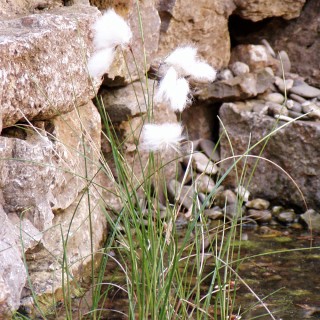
{"type": "Point", "coordinates": [225, 74]}
{"type": "Point", "coordinates": [186, 197]}
{"type": "Point", "coordinates": [204, 184]}
{"type": "Point", "coordinates": [202, 163]}
{"type": "Point", "coordinates": [294, 114]}
{"type": "Point", "coordinates": [297, 98]}
{"type": "Point", "coordinates": [283, 85]}
{"type": "Point", "coordinates": [262, 216]}
{"type": "Point", "coordinates": [305, 90]}
{"type": "Point", "coordinates": [269, 70]}
{"type": "Point", "coordinates": [285, 63]}
{"type": "Point", "coordinates": [209, 148]}
{"type": "Point", "coordinates": [268, 47]}
{"type": "Point", "coordinates": [312, 219]}
{"type": "Point", "coordinates": [259, 204]}
{"type": "Point", "coordinates": [225, 197]}
{"type": "Point", "coordinates": [214, 213]}
{"type": "Point", "coordinates": [233, 210]}
{"type": "Point", "coordinates": [287, 216]}
{"type": "Point", "coordinates": [275, 108]}
{"type": "Point", "coordinates": [238, 68]}
{"type": "Point", "coordinates": [312, 109]}
{"type": "Point", "coordinates": [294, 105]}
{"type": "Point", "coordinates": [274, 97]}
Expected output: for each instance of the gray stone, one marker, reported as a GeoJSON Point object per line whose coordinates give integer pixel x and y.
{"type": "Point", "coordinates": [285, 64]}
{"type": "Point", "coordinates": [225, 74]}
{"type": "Point", "coordinates": [258, 204]}
{"type": "Point", "coordinates": [312, 219]}
{"type": "Point", "coordinates": [224, 198]}
{"type": "Point", "coordinates": [312, 109]}
{"type": "Point", "coordinates": [276, 109]}
{"type": "Point", "coordinates": [294, 148]}
{"type": "Point", "coordinates": [213, 213]}
{"type": "Point", "coordinates": [261, 216]}
{"type": "Point", "coordinates": [126, 102]}
{"type": "Point", "coordinates": [243, 193]}
{"type": "Point", "coordinates": [286, 216]}
{"type": "Point", "coordinates": [305, 91]}
{"type": "Point", "coordinates": [297, 98]}
{"type": "Point", "coordinates": [204, 184]}
{"type": "Point", "coordinates": [238, 88]}
{"type": "Point", "coordinates": [202, 163]}
{"type": "Point", "coordinates": [238, 68]}
{"type": "Point", "coordinates": [210, 149]}
{"type": "Point", "coordinates": [274, 97]}
{"type": "Point", "coordinates": [283, 85]}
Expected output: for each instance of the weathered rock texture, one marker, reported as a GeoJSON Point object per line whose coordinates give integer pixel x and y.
{"type": "Point", "coordinates": [294, 148]}
{"type": "Point", "coordinates": [43, 63]}
{"type": "Point", "coordinates": [256, 10]}
{"type": "Point", "coordinates": [298, 37]}
{"type": "Point", "coordinates": [204, 23]}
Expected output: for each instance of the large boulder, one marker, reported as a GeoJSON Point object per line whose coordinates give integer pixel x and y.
{"type": "Point", "coordinates": [294, 149]}
{"type": "Point", "coordinates": [43, 63]}
{"type": "Point", "coordinates": [203, 22]}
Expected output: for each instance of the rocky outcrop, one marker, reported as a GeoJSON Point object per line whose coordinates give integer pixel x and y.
{"type": "Point", "coordinates": [204, 23]}
{"type": "Point", "coordinates": [291, 154]}
{"type": "Point", "coordinates": [262, 9]}
{"type": "Point", "coordinates": [38, 76]}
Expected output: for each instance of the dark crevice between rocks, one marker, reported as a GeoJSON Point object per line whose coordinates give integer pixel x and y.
{"type": "Point", "coordinates": [16, 131]}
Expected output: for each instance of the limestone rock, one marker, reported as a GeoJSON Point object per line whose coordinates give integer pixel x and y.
{"type": "Point", "coordinates": [42, 63]}
{"type": "Point", "coordinates": [202, 22]}
{"type": "Point", "coordinates": [262, 9]}
{"type": "Point", "coordinates": [295, 148]}
{"type": "Point", "coordinates": [238, 88]}
{"type": "Point", "coordinates": [12, 270]}
{"type": "Point", "coordinates": [11, 8]}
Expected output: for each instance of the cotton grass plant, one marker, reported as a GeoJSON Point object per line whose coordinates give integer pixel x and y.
{"type": "Point", "coordinates": [163, 272]}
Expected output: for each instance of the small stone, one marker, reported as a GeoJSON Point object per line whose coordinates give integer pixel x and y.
{"type": "Point", "coordinates": [294, 114]}
{"type": "Point", "coordinates": [297, 98]}
{"type": "Point", "coordinates": [214, 213]}
{"type": "Point", "coordinates": [269, 70]}
{"type": "Point", "coordinates": [233, 210]}
{"type": "Point", "coordinates": [238, 68]}
{"type": "Point", "coordinates": [225, 197]}
{"type": "Point", "coordinates": [260, 215]}
{"type": "Point", "coordinates": [287, 216]}
{"type": "Point", "coordinates": [202, 163]}
{"type": "Point", "coordinates": [274, 97]}
{"type": "Point", "coordinates": [283, 118]}
{"type": "Point", "coordinates": [225, 74]}
{"type": "Point", "coordinates": [268, 47]}
{"type": "Point", "coordinates": [294, 105]}
{"type": "Point", "coordinates": [258, 204]}
{"type": "Point", "coordinates": [285, 64]}
{"type": "Point", "coordinates": [275, 108]}
{"type": "Point", "coordinates": [186, 197]}
{"type": "Point", "coordinates": [283, 85]}
{"type": "Point", "coordinates": [312, 109]}
{"type": "Point", "coordinates": [312, 219]}
{"type": "Point", "coordinates": [204, 184]}
{"type": "Point", "coordinates": [210, 149]}
{"type": "Point", "coordinates": [305, 91]}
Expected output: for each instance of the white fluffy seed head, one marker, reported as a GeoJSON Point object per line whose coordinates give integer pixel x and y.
{"type": "Point", "coordinates": [182, 59]}
{"type": "Point", "coordinates": [185, 61]}
{"type": "Point", "coordinates": [111, 30]}
{"type": "Point", "coordinates": [157, 137]}
{"type": "Point", "coordinates": [174, 91]}
{"type": "Point", "coordinates": [100, 62]}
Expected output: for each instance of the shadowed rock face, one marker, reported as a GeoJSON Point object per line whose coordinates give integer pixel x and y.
{"type": "Point", "coordinates": [294, 148]}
